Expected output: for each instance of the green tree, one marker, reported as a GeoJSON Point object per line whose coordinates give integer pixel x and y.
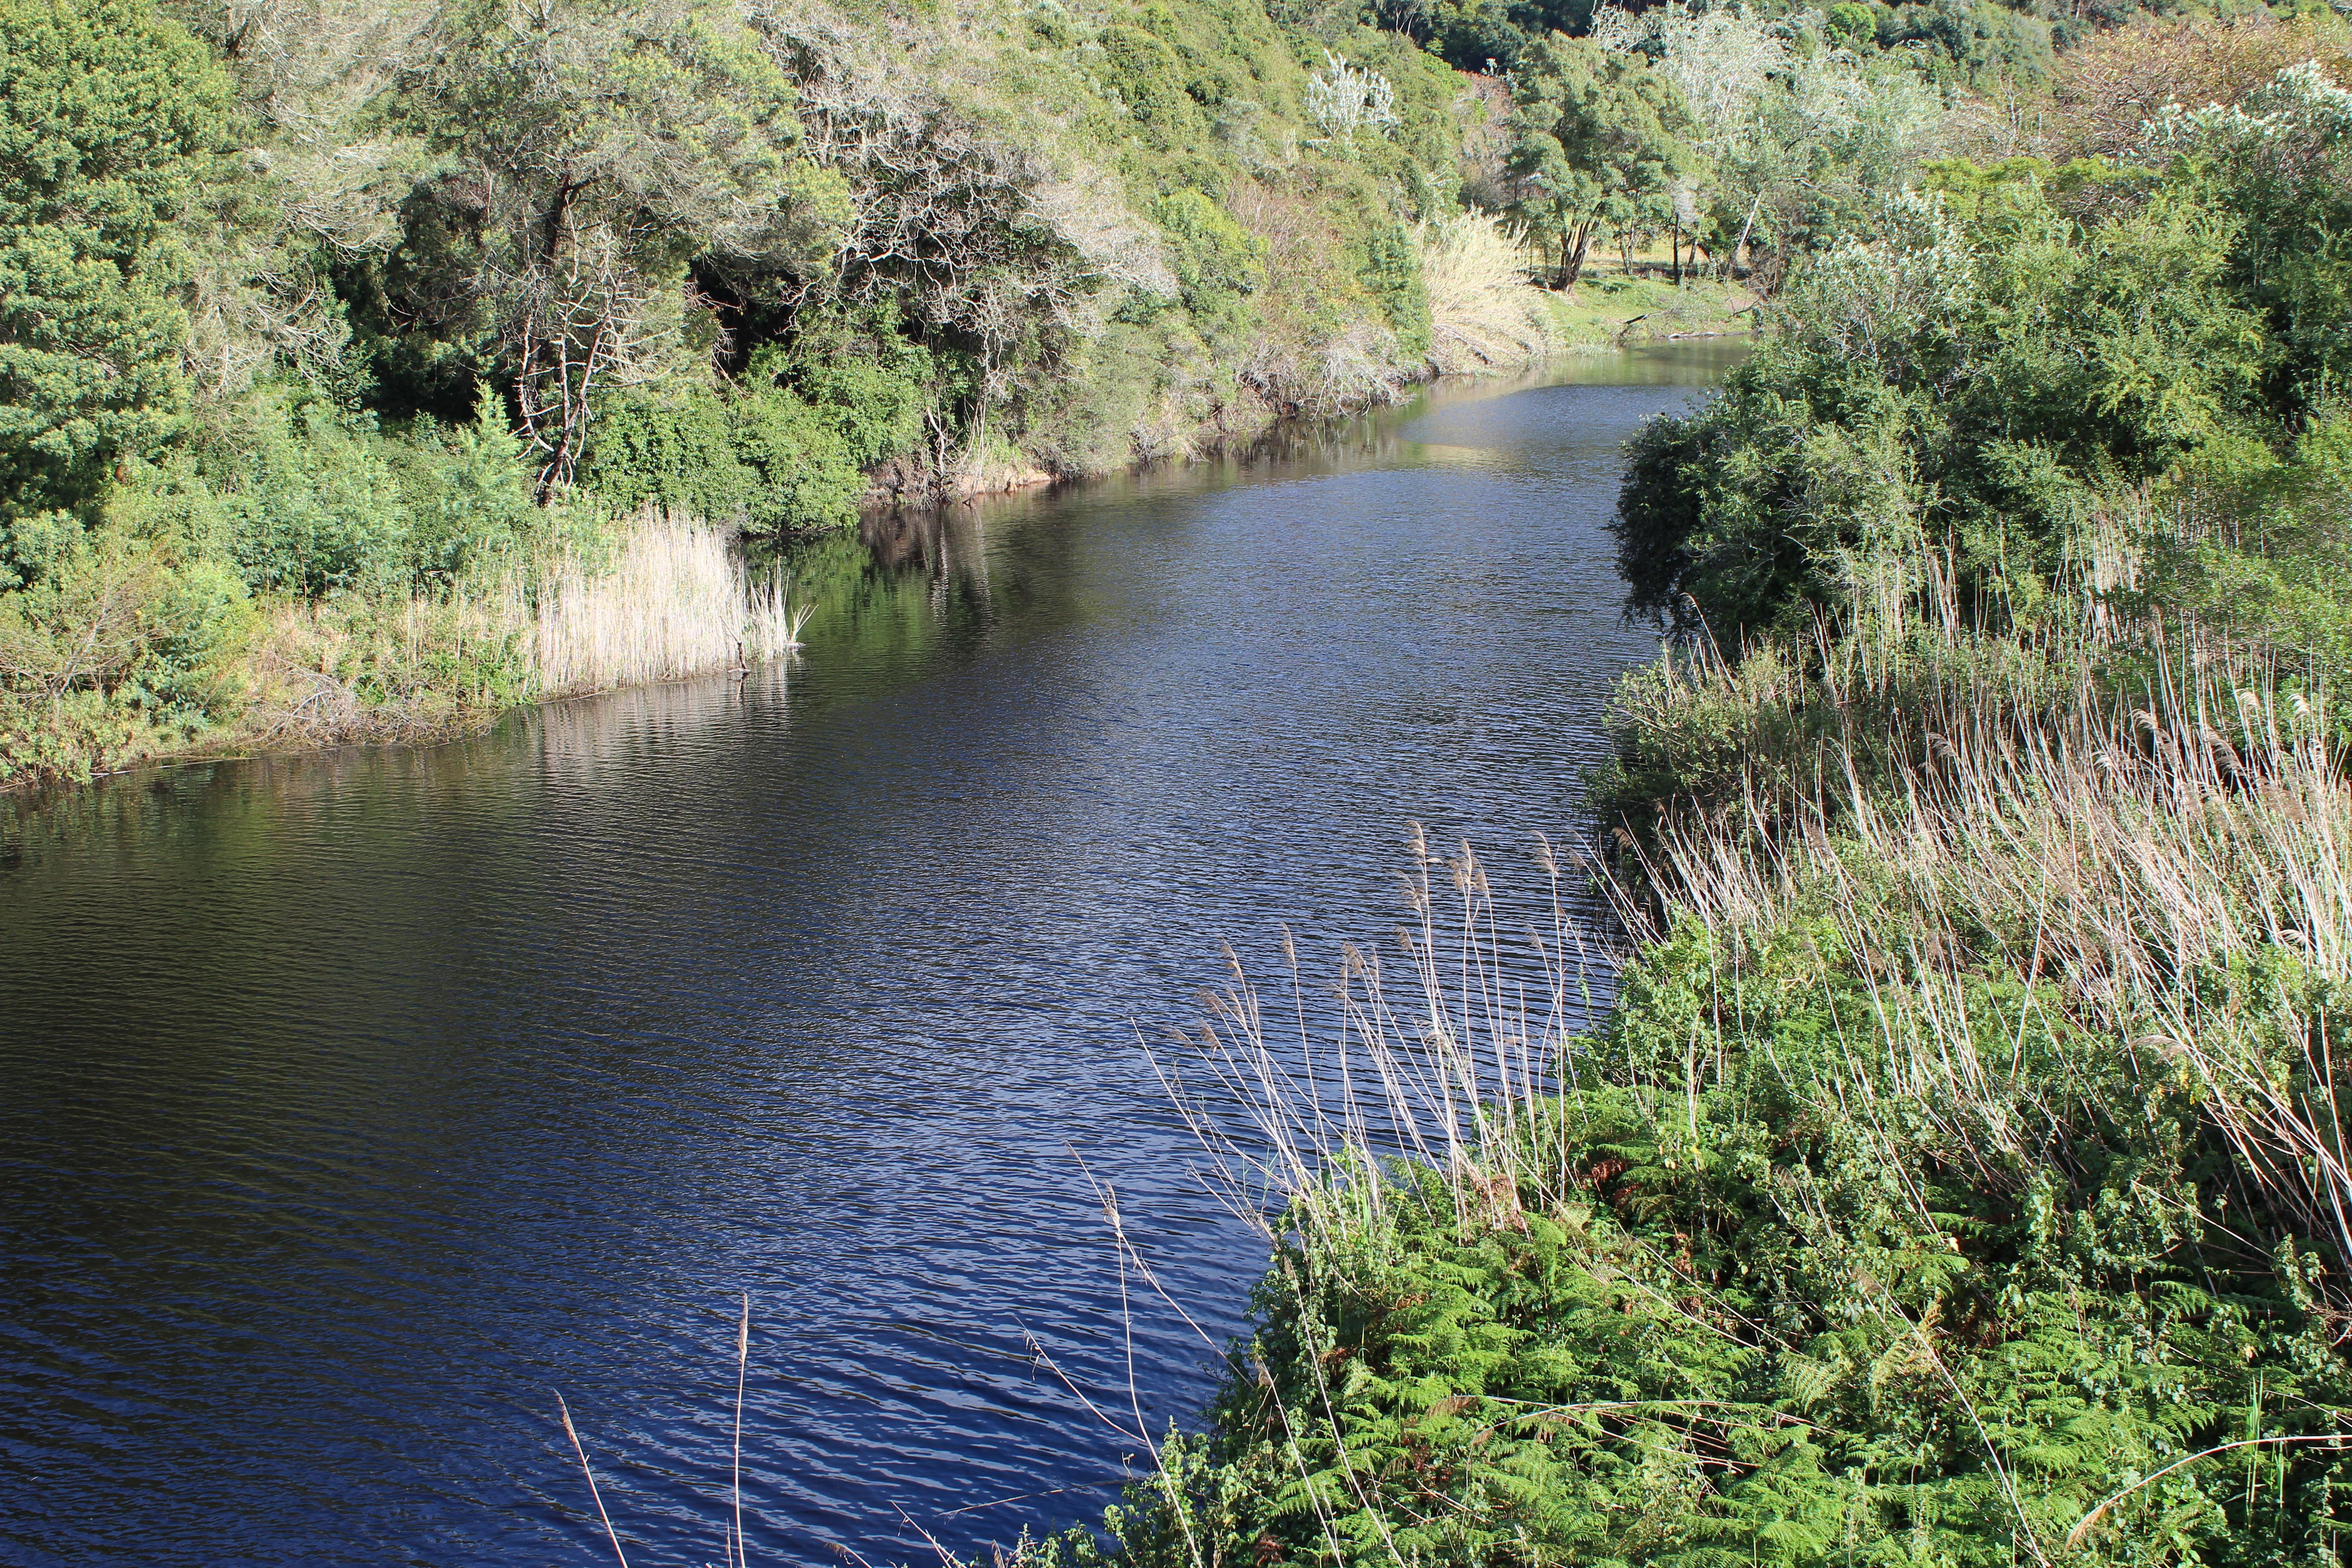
{"type": "Point", "coordinates": [2283, 161]}
{"type": "Point", "coordinates": [1596, 134]}
{"type": "Point", "coordinates": [595, 149]}
{"type": "Point", "coordinates": [107, 117]}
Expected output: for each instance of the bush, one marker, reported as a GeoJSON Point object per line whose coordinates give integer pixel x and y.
{"type": "Point", "coordinates": [868, 382]}
{"type": "Point", "coordinates": [805, 476]}
{"type": "Point", "coordinates": [466, 491]}
{"type": "Point", "coordinates": [760, 457]}
{"type": "Point", "coordinates": [675, 451]}
{"type": "Point", "coordinates": [1390, 267]}
{"type": "Point", "coordinates": [316, 510]}
{"type": "Point", "coordinates": [1978, 389]}
{"type": "Point", "coordinates": [1218, 264]}
{"type": "Point", "coordinates": [1148, 77]}
{"type": "Point", "coordinates": [122, 647]}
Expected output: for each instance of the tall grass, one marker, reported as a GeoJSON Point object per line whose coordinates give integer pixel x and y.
{"type": "Point", "coordinates": [2135, 852]}
{"type": "Point", "coordinates": [2132, 848]}
{"type": "Point", "coordinates": [1443, 1059]}
{"type": "Point", "coordinates": [2087, 912]}
{"type": "Point", "coordinates": [675, 601]}
{"type": "Point", "coordinates": [1484, 313]}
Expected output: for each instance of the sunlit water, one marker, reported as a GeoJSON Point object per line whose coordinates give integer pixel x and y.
{"type": "Point", "coordinates": [352, 1106]}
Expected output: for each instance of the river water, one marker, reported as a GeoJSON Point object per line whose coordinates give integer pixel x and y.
{"type": "Point", "coordinates": [353, 1106]}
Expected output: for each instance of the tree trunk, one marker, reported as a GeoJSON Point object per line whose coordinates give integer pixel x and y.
{"type": "Point", "coordinates": [559, 207]}
{"type": "Point", "coordinates": [1572, 266]}
{"type": "Point", "coordinates": [1731, 262]}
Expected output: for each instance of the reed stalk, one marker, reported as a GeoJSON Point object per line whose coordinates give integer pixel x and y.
{"type": "Point", "coordinates": [675, 602]}
{"type": "Point", "coordinates": [580, 1453]}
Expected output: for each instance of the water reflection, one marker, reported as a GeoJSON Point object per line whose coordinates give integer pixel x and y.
{"type": "Point", "coordinates": [355, 1100]}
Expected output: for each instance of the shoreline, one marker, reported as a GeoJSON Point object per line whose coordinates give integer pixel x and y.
{"type": "Point", "coordinates": [388, 726]}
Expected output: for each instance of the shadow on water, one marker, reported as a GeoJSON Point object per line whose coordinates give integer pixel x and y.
{"type": "Point", "coordinates": [355, 1102]}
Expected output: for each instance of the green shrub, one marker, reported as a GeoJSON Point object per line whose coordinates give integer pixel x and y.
{"type": "Point", "coordinates": [123, 644]}
{"type": "Point", "coordinates": [316, 509]}
{"type": "Point", "coordinates": [1981, 389]}
{"type": "Point", "coordinates": [1973, 41]}
{"type": "Point", "coordinates": [467, 491]}
{"type": "Point", "coordinates": [1747, 1296]}
{"type": "Point", "coordinates": [1389, 268]}
{"type": "Point", "coordinates": [673, 448]}
{"type": "Point", "coordinates": [805, 476]}
{"type": "Point", "coordinates": [761, 456]}
{"type": "Point", "coordinates": [871, 384]}
{"type": "Point", "coordinates": [1218, 264]}
{"type": "Point", "coordinates": [1849, 22]}
{"type": "Point", "coordinates": [1150, 80]}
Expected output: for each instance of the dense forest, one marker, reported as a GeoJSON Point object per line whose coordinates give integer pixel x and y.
{"type": "Point", "coordinates": [370, 368]}
{"type": "Point", "coordinates": [1960, 1174]}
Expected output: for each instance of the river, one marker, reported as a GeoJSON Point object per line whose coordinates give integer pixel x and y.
{"type": "Point", "coordinates": [357, 1104]}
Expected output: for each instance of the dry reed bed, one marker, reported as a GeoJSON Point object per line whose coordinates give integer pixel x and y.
{"type": "Point", "coordinates": [677, 600]}
{"type": "Point", "coordinates": [1484, 313]}
{"type": "Point", "coordinates": [667, 599]}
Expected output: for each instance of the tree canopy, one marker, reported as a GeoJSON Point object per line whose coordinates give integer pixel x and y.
{"type": "Point", "coordinates": [1599, 136]}
{"type": "Point", "coordinates": [113, 116]}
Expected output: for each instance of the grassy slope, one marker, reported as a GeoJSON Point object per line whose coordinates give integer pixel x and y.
{"type": "Point", "coordinates": [1609, 309]}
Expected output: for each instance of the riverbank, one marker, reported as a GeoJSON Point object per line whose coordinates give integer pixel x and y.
{"type": "Point", "coordinates": [377, 367]}
{"type": "Point", "coordinates": [1958, 1155]}
{"type": "Point", "coordinates": [578, 599]}
{"type": "Point", "coordinates": [1614, 309]}
{"type": "Point", "coordinates": [645, 600]}
{"type": "Point", "coordinates": [1959, 1172]}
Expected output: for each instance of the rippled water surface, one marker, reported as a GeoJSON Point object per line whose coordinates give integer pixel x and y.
{"type": "Point", "coordinates": [351, 1106]}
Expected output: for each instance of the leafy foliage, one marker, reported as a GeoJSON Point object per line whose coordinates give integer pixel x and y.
{"type": "Point", "coordinates": [785, 451]}
{"type": "Point", "coordinates": [1903, 1211]}
{"type": "Point", "coordinates": [113, 115]}
{"type": "Point", "coordinates": [1980, 387]}
{"type": "Point", "coordinates": [742, 264]}
{"type": "Point", "coordinates": [1599, 138]}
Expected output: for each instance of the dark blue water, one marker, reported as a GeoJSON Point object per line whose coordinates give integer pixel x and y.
{"type": "Point", "coordinates": [351, 1106]}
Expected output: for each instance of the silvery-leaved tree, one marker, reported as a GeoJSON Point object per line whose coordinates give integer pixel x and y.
{"type": "Point", "coordinates": [591, 149]}
{"type": "Point", "coordinates": [1801, 141]}
{"type": "Point", "coordinates": [978, 220]}
{"type": "Point", "coordinates": [1721, 59]}
{"type": "Point", "coordinates": [318, 189]}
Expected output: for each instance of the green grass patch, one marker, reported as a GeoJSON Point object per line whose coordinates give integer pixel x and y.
{"type": "Point", "coordinates": [1612, 309]}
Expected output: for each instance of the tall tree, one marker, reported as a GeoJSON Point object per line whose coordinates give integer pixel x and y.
{"type": "Point", "coordinates": [1596, 134]}
{"type": "Point", "coordinates": [595, 148]}
{"type": "Point", "coordinates": [108, 116]}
